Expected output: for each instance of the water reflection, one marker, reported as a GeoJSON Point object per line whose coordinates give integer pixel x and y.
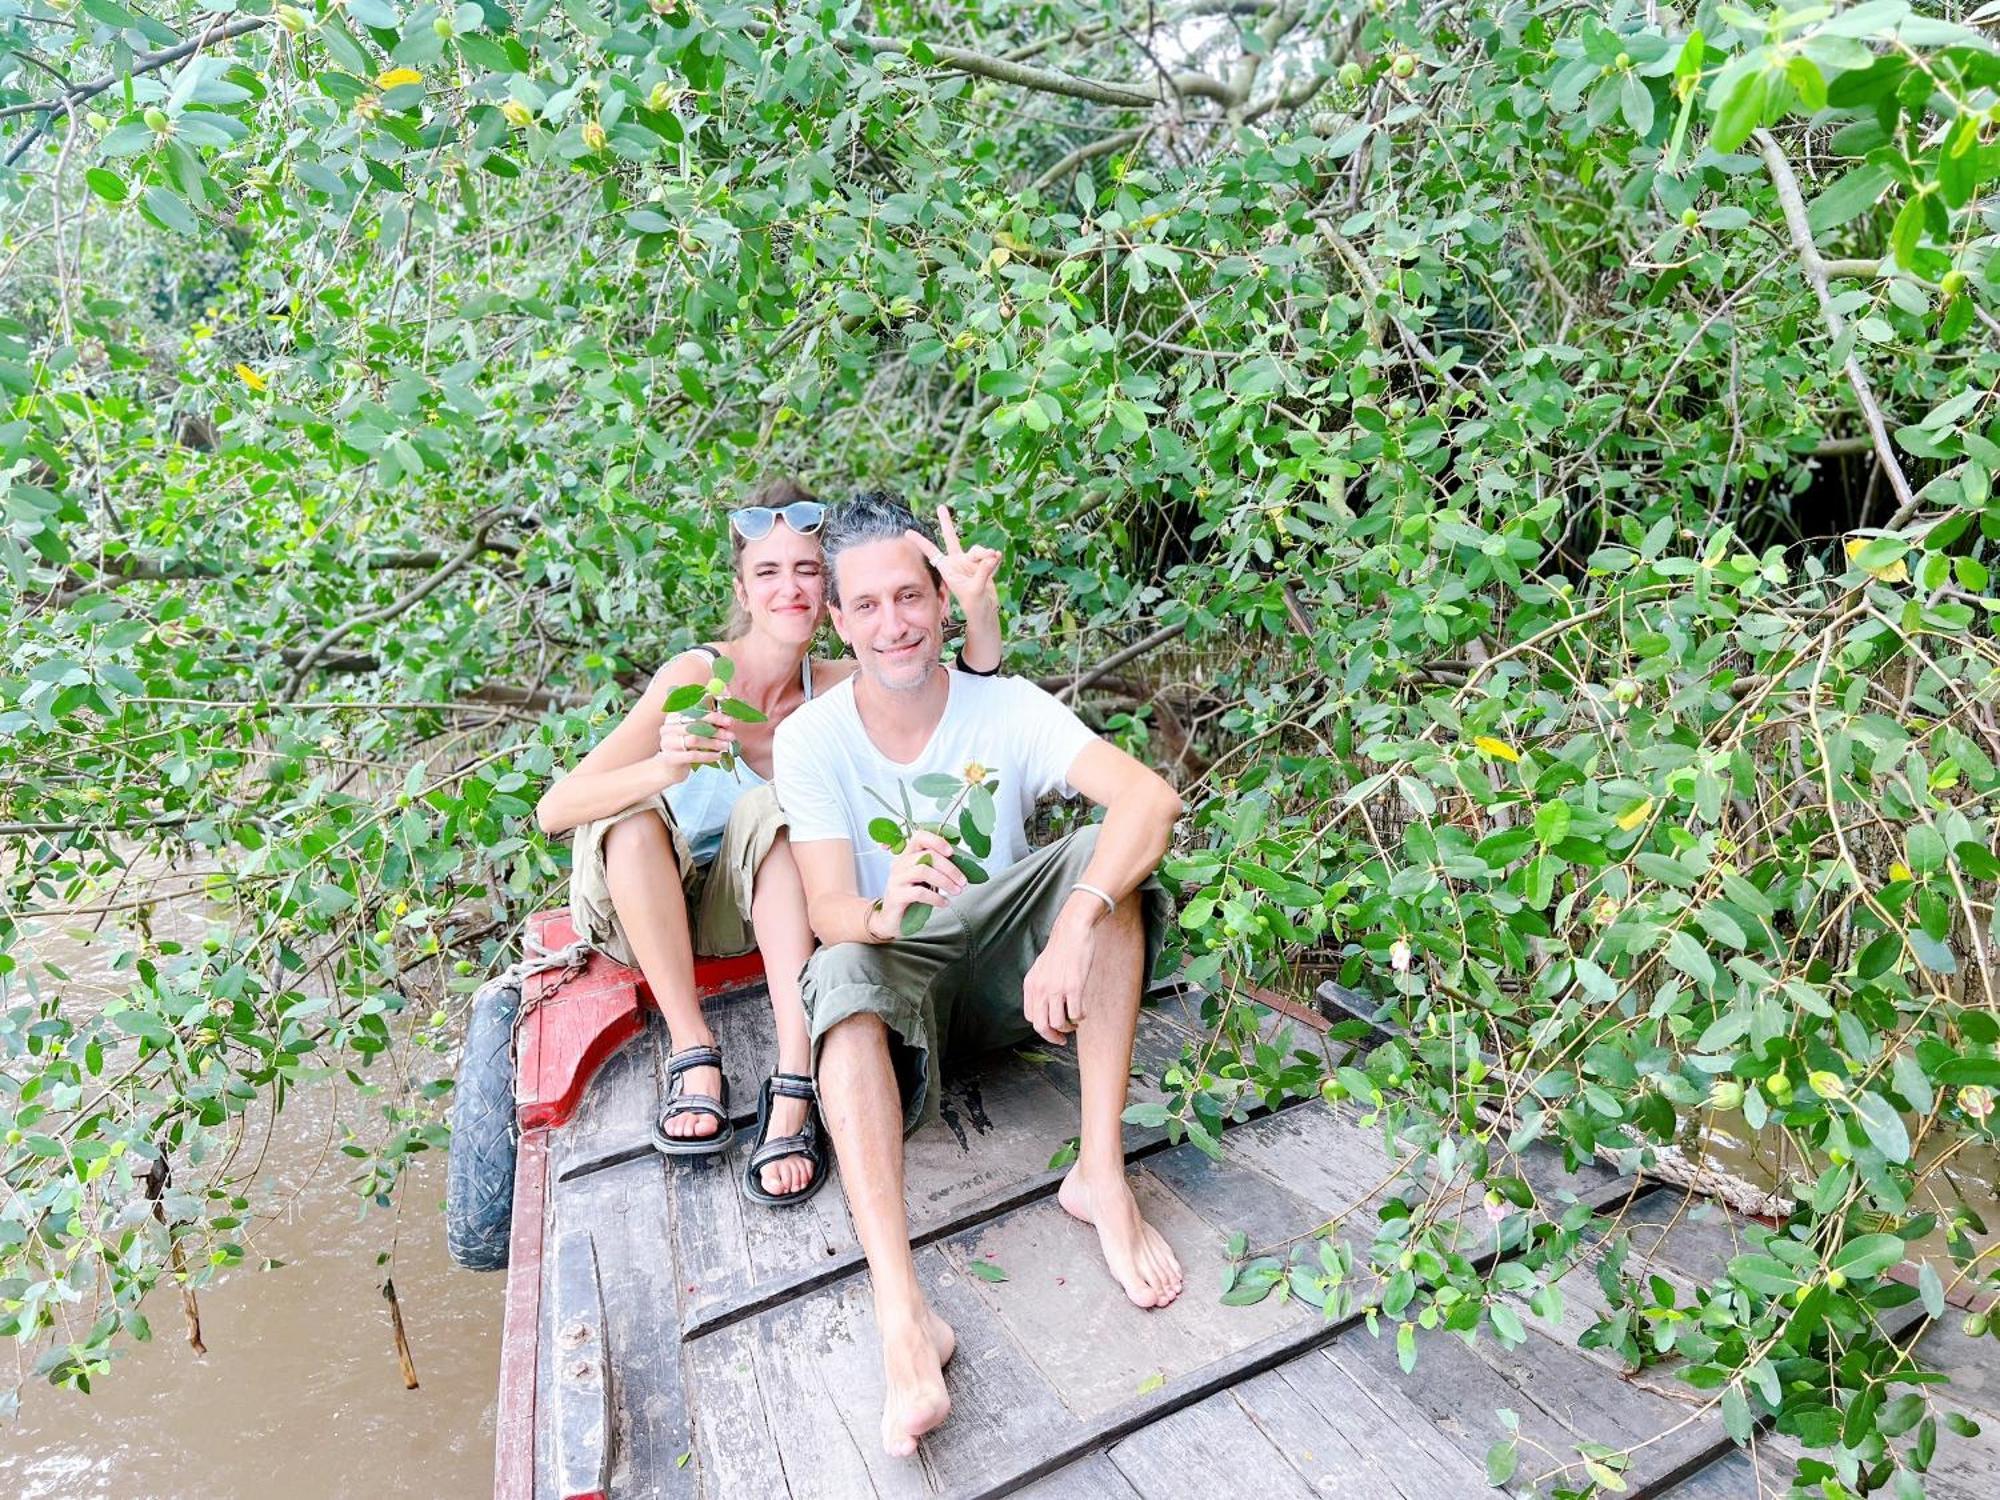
{"type": "Point", "coordinates": [300, 1390]}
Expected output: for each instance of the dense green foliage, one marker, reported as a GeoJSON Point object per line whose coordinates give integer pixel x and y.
{"type": "Point", "coordinates": [1546, 451]}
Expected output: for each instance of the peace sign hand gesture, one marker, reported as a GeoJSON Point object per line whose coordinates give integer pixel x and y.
{"type": "Point", "coordinates": [968, 572]}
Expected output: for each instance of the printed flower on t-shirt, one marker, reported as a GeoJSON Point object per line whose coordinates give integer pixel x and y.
{"type": "Point", "coordinates": [962, 814]}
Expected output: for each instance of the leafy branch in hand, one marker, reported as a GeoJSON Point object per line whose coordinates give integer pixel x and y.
{"type": "Point", "coordinates": [966, 823]}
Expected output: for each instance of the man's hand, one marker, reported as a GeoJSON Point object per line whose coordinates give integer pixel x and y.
{"type": "Point", "coordinates": [968, 572]}
{"type": "Point", "coordinates": [922, 875]}
{"type": "Point", "coordinates": [1052, 993]}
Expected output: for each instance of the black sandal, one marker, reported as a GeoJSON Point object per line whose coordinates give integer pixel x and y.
{"type": "Point", "coordinates": [809, 1142]}
{"type": "Point", "coordinates": [680, 1103]}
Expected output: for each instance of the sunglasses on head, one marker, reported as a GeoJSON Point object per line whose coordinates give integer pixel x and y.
{"type": "Point", "coordinates": [754, 522]}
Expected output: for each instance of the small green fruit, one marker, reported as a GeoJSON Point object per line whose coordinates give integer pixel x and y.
{"type": "Point", "coordinates": [1624, 61]}
{"type": "Point", "coordinates": [1726, 1094]}
{"type": "Point", "coordinates": [716, 687]}
{"type": "Point", "coordinates": [1974, 1326]}
{"type": "Point", "coordinates": [1799, 1295]}
{"type": "Point", "coordinates": [1952, 282]}
{"type": "Point", "coordinates": [1835, 1280]}
{"type": "Point", "coordinates": [1778, 1085]}
{"type": "Point", "coordinates": [157, 121]}
{"type": "Point", "coordinates": [1690, 218]}
{"type": "Point", "coordinates": [293, 19]}
{"type": "Point", "coordinates": [443, 27]}
{"type": "Point", "coordinates": [1398, 410]}
{"type": "Point", "coordinates": [1404, 66]}
{"type": "Point", "coordinates": [1351, 75]}
{"type": "Point", "coordinates": [1333, 1091]}
{"type": "Point", "coordinates": [95, 120]}
{"type": "Point", "coordinates": [1407, 1259]}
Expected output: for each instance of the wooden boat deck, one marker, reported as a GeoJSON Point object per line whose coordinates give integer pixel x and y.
{"type": "Point", "coordinates": [736, 1356]}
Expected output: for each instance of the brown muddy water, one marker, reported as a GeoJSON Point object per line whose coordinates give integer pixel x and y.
{"type": "Point", "coordinates": [300, 1392]}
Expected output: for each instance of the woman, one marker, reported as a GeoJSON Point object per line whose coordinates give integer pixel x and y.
{"type": "Point", "coordinates": [678, 853]}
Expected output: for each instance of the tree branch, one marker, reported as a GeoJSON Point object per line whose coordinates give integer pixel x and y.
{"type": "Point", "coordinates": [1118, 659]}
{"type": "Point", "coordinates": [145, 62]}
{"type": "Point", "coordinates": [1815, 270]}
{"type": "Point", "coordinates": [456, 563]}
{"type": "Point", "coordinates": [1047, 81]}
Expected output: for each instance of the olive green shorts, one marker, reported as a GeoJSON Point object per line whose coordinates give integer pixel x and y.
{"type": "Point", "coordinates": [954, 990]}
{"type": "Point", "coordinates": [718, 893]}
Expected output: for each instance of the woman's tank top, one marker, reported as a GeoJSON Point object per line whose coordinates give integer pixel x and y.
{"type": "Point", "coordinates": [701, 805]}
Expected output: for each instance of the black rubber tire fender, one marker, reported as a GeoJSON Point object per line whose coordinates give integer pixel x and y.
{"type": "Point", "coordinates": [479, 1182]}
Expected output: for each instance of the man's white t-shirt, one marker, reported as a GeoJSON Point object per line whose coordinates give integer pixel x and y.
{"type": "Point", "coordinates": [825, 766]}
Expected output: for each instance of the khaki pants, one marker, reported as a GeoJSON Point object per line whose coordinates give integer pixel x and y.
{"type": "Point", "coordinates": [718, 893]}
{"type": "Point", "coordinates": [954, 990]}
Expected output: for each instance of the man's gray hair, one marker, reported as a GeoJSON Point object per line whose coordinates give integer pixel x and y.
{"type": "Point", "coordinates": [871, 516]}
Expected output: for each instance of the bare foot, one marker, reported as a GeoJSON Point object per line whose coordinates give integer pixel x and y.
{"type": "Point", "coordinates": [787, 1174]}
{"type": "Point", "coordinates": [694, 1124]}
{"type": "Point", "coordinates": [1138, 1254]}
{"type": "Point", "coordinates": [913, 1360]}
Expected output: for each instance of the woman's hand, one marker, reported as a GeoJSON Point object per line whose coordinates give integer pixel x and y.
{"type": "Point", "coordinates": [968, 572]}
{"type": "Point", "coordinates": [683, 751]}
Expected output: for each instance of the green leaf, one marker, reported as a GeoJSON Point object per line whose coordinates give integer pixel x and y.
{"type": "Point", "coordinates": [169, 210]}
{"type": "Point", "coordinates": [1684, 952]}
{"type": "Point", "coordinates": [1742, 111]}
{"type": "Point", "coordinates": [1932, 954]}
{"type": "Point", "coordinates": [1636, 101]}
{"type": "Point", "coordinates": [979, 807]}
{"type": "Point", "coordinates": [886, 832]}
{"type": "Point", "coordinates": [1736, 1414]}
{"type": "Point", "coordinates": [106, 183]}
{"type": "Point", "coordinates": [1908, 231]}
{"type": "Point", "coordinates": [1958, 1072]}
{"type": "Point", "coordinates": [742, 712]}
{"type": "Point", "coordinates": [1930, 1289]}
{"type": "Point", "coordinates": [1507, 1322]}
{"type": "Point", "coordinates": [1501, 1461]}
{"type": "Point", "coordinates": [985, 1270]}
{"type": "Point", "coordinates": [1406, 1346]}
{"type": "Point", "coordinates": [1869, 1255]}
{"type": "Point", "coordinates": [681, 699]}
{"type": "Point", "coordinates": [1884, 1125]}
{"type": "Point", "coordinates": [914, 917]}
{"type": "Point", "coordinates": [1552, 821]}
{"type": "Point", "coordinates": [937, 786]}
{"type": "Point", "coordinates": [1849, 197]}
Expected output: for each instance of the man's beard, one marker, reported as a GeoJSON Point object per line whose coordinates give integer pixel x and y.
{"type": "Point", "coordinates": [919, 678]}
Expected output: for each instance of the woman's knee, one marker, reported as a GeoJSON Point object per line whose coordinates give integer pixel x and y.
{"type": "Point", "coordinates": [640, 842]}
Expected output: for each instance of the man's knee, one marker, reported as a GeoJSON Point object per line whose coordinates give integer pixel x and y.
{"type": "Point", "coordinates": [859, 1032]}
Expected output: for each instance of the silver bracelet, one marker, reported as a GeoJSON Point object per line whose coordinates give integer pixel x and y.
{"type": "Point", "coordinates": [1110, 902]}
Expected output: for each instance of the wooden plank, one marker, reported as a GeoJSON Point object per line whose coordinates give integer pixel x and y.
{"type": "Point", "coordinates": [1092, 1477]}
{"type": "Point", "coordinates": [617, 1110]}
{"type": "Point", "coordinates": [811, 1370]}
{"type": "Point", "coordinates": [1216, 1441]}
{"type": "Point", "coordinates": [1060, 1303]}
{"type": "Point", "coordinates": [514, 1424]}
{"type": "Point", "coordinates": [1762, 1473]}
{"type": "Point", "coordinates": [628, 1215]}
{"type": "Point", "coordinates": [581, 1396]}
{"type": "Point", "coordinates": [1561, 1396]}
{"type": "Point", "coordinates": [1353, 1443]}
{"type": "Point", "coordinates": [1057, 1324]}
{"type": "Point", "coordinates": [988, 1152]}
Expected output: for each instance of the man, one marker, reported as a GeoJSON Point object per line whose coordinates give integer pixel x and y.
{"type": "Point", "coordinates": [1063, 937]}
